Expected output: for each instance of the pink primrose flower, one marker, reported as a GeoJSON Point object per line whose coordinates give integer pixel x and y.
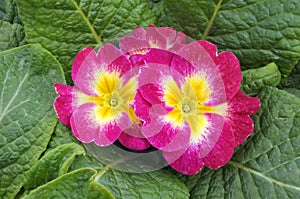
{"type": "Point", "coordinates": [99, 106]}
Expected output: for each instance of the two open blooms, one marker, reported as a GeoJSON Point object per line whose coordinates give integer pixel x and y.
{"type": "Point", "coordinates": [181, 98]}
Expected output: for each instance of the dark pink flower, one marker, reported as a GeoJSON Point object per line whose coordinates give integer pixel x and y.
{"type": "Point", "coordinates": [99, 106]}
{"type": "Point", "coordinates": [192, 107]}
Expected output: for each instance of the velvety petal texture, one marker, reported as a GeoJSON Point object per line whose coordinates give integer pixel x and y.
{"type": "Point", "coordinates": [159, 91]}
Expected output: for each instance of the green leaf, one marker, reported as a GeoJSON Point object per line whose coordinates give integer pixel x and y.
{"type": "Point", "coordinates": [267, 165]}
{"type": "Point", "coordinates": [66, 26]}
{"type": "Point", "coordinates": [11, 35]}
{"type": "Point", "coordinates": [62, 135]}
{"type": "Point", "coordinates": [157, 184]}
{"type": "Point", "coordinates": [8, 11]}
{"type": "Point", "coordinates": [292, 83]}
{"type": "Point", "coordinates": [257, 31]}
{"type": "Point", "coordinates": [77, 184]}
{"type": "Point", "coordinates": [255, 79]}
{"type": "Point", "coordinates": [27, 118]}
{"type": "Point", "coordinates": [54, 163]}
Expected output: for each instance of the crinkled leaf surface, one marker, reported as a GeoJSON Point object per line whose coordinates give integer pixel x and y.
{"type": "Point", "coordinates": [11, 35]}
{"type": "Point", "coordinates": [54, 163]}
{"type": "Point", "coordinates": [77, 184]}
{"type": "Point", "coordinates": [8, 11]}
{"type": "Point", "coordinates": [292, 83]}
{"type": "Point", "coordinates": [257, 31]}
{"type": "Point", "coordinates": [61, 135]}
{"type": "Point", "coordinates": [267, 165]}
{"type": "Point", "coordinates": [27, 118]}
{"type": "Point", "coordinates": [158, 184]}
{"type": "Point", "coordinates": [255, 79]}
{"type": "Point", "coordinates": [66, 26]}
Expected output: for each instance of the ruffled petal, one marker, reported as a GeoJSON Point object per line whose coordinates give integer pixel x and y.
{"type": "Point", "coordinates": [152, 93]}
{"type": "Point", "coordinates": [242, 127]}
{"type": "Point", "coordinates": [229, 67]}
{"type": "Point", "coordinates": [63, 103]}
{"type": "Point", "coordinates": [210, 48]}
{"type": "Point", "coordinates": [244, 104]}
{"type": "Point", "coordinates": [84, 123]}
{"type": "Point", "coordinates": [155, 39]}
{"type": "Point", "coordinates": [139, 33]}
{"type": "Point", "coordinates": [88, 73]}
{"type": "Point", "coordinates": [186, 161]}
{"type": "Point", "coordinates": [205, 66]}
{"type": "Point", "coordinates": [80, 57]}
{"type": "Point", "coordinates": [134, 143]}
{"type": "Point", "coordinates": [181, 65]}
{"type": "Point", "coordinates": [158, 56]}
{"type": "Point", "coordinates": [113, 59]}
{"type": "Point", "coordinates": [222, 151]}
{"type": "Point", "coordinates": [165, 136]}
{"type": "Point", "coordinates": [111, 131]}
{"type": "Point", "coordinates": [142, 107]}
{"type": "Point", "coordinates": [132, 45]}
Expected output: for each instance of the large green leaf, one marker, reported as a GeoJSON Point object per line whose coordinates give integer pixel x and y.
{"type": "Point", "coordinates": [255, 79]}
{"type": "Point", "coordinates": [267, 165]}
{"type": "Point", "coordinates": [257, 31]}
{"type": "Point", "coordinates": [54, 163]}
{"type": "Point", "coordinates": [157, 184]}
{"type": "Point", "coordinates": [66, 26]}
{"type": "Point", "coordinates": [77, 184]}
{"type": "Point", "coordinates": [11, 35]}
{"type": "Point", "coordinates": [27, 118]}
{"type": "Point", "coordinates": [292, 83]}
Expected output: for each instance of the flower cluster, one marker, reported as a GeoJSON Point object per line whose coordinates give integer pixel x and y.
{"type": "Point", "coordinates": [158, 90]}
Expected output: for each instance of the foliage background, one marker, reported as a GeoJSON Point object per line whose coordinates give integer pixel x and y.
{"type": "Point", "coordinates": [39, 158]}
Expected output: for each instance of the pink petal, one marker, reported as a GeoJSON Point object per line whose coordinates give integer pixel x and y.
{"type": "Point", "coordinates": [110, 132]}
{"type": "Point", "coordinates": [210, 48]}
{"type": "Point", "coordinates": [78, 60]}
{"type": "Point", "coordinates": [155, 39]}
{"type": "Point", "coordinates": [107, 54]}
{"type": "Point", "coordinates": [242, 127]}
{"type": "Point", "coordinates": [139, 33]}
{"type": "Point", "coordinates": [137, 60]}
{"type": "Point", "coordinates": [63, 103]}
{"type": "Point", "coordinates": [180, 38]}
{"type": "Point", "coordinates": [84, 124]}
{"type": "Point", "coordinates": [230, 71]}
{"type": "Point", "coordinates": [169, 34]}
{"type": "Point", "coordinates": [181, 65]}
{"type": "Point", "coordinates": [158, 56]}
{"type": "Point", "coordinates": [134, 143]}
{"type": "Point", "coordinates": [165, 136]}
{"type": "Point", "coordinates": [195, 54]}
{"type": "Point", "coordinates": [186, 161]}
{"type": "Point", "coordinates": [222, 151]}
{"type": "Point", "coordinates": [244, 104]}
{"type": "Point", "coordinates": [150, 80]}
{"type": "Point", "coordinates": [121, 64]}
{"type": "Point", "coordinates": [86, 76]}
{"type": "Point", "coordinates": [142, 107]}
{"type": "Point", "coordinates": [132, 45]}
{"type": "Point", "coordinates": [152, 93]}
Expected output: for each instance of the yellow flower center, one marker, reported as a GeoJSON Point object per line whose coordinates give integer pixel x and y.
{"type": "Point", "coordinates": [188, 103]}
{"type": "Point", "coordinates": [114, 97]}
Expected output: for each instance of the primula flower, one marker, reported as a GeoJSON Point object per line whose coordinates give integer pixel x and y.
{"type": "Point", "coordinates": [98, 107]}
{"type": "Point", "coordinates": [192, 108]}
